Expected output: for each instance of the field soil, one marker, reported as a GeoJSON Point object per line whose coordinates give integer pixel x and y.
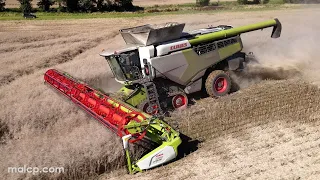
{"type": "Point", "coordinates": [267, 130]}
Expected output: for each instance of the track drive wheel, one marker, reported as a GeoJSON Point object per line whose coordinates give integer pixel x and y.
{"type": "Point", "coordinates": [180, 101]}
{"type": "Point", "coordinates": [145, 107]}
{"type": "Point", "coordinates": [218, 83]}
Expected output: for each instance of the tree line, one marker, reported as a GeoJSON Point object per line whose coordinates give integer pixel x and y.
{"type": "Point", "coordinates": [75, 5]}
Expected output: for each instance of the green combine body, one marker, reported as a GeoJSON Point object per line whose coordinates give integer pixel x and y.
{"type": "Point", "coordinates": [165, 65]}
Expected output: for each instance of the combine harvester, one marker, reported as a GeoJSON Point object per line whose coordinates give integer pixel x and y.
{"type": "Point", "coordinates": [163, 65]}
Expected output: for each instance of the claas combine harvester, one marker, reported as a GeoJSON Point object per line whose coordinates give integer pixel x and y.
{"type": "Point", "coordinates": [160, 69]}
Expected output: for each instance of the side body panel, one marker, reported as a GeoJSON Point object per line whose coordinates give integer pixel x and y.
{"type": "Point", "coordinates": [197, 63]}
{"type": "Point", "coordinates": [187, 66]}
{"type": "Point", "coordinates": [171, 66]}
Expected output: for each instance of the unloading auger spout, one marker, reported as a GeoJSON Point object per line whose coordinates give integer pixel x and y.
{"type": "Point", "coordinates": [275, 23]}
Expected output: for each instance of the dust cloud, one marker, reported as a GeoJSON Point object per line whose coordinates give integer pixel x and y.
{"type": "Point", "coordinates": [294, 55]}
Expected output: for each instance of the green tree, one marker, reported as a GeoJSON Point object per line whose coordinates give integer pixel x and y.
{"type": "Point", "coordinates": [93, 5]}
{"type": "Point", "coordinates": [117, 5]}
{"type": "Point", "coordinates": [72, 5]}
{"type": "Point", "coordinates": [25, 6]}
{"type": "Point", "coordinates": [87, 5]}
{"type": "Point", "coordinates": [253, 2]}
{"type": "Point", "coordinates": [242, 1]}
{"type": "Point", "coordinates": [101, 6]}
{"type": "Point", "coordinates": [61, 6]}
{"type": "Point", "coordinates": [2, 5]}
{"type": "Point", "coordinates": [126, 4]}
{"type": "Point", "coordinates": [202, 2]}
{"type": "Point", "coordinates": [45, 4]}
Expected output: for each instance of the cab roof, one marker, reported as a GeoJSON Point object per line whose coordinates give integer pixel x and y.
{"type": "Point", "coordinates": [111, 53]}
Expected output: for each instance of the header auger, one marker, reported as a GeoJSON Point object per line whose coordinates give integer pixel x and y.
{"type": "Point", "coordinates": [160, 70]}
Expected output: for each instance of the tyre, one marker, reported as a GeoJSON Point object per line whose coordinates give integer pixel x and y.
{"type": "Point", "coordinates": [218, 83]}
{"type": "Point", "coordinates": [180, 101]}
{"type": "Point", "coordinates": [145, 107]}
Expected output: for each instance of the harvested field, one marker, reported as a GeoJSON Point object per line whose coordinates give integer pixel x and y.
{"type": "Point", "coordinates": [268, 129]}
{"type": "Point", "coordinates": [266, 137]}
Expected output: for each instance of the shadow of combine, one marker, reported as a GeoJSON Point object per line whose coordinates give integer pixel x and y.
{"type": "Point", "coordinates": [187, 146]}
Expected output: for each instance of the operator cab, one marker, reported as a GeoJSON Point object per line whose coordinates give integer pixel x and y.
{"type": "Point", "coordinates": [125, 65]}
